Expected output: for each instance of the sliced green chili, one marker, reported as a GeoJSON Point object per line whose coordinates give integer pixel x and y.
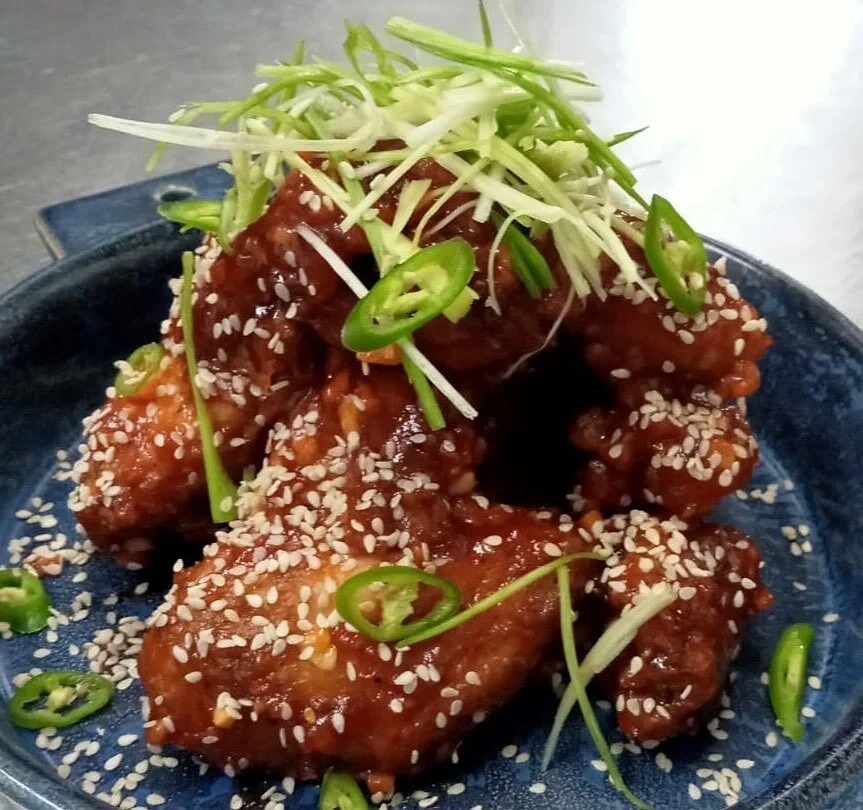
{"type": "Point", "coordinates": [24, 604]}
{"type": "Point", "coordinates": [788, 677]}
{"type": "Point", "coordinates": [204, 215]}
{"type": "Point", "coordinates": [496, 598]}
{"type": "Point", "coordinates": [341, 792]}
{"type": "Point", "coordinates": [221, 489]}
{"type": "Point", "coordinates": [59, 699]}
{"type": "Point", "coordinates": [679, 264]}
{"type": "Point", "coordinates": [144, 363]}
{"type": "Point", "coordinates": [396, 601]}
{"type": "Point", "coordinates": [409, 296]}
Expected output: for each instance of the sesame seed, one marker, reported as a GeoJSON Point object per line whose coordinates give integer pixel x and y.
{"type": "Point", "coordinates": [509, 751]}
{"type": "Point", "coordinates": [771, 740]}
{"type": "Point", "coordinates": [538, 788]}
{"type": "Point", "coordinates": [112, 763]}
{"type": "Point", "coordinates": [694, 792]}
{"type": "Point", "coordinates": [830, 618]}
{"type": "Point", "coordinates": [814, 682]}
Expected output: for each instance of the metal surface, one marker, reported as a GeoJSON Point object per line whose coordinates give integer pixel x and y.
{"type": "Point", "coordinates": [755, 107]}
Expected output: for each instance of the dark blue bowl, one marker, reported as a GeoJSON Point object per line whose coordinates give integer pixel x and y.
{"type": "Point", "coordinates": [59, 333]}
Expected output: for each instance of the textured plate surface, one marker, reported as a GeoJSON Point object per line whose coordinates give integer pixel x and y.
{"type": "Point", "coordinates": [59, 333]}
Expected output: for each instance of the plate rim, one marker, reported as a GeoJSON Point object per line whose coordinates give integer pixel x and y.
{"type": "Point", "coordinates": [815, 781]}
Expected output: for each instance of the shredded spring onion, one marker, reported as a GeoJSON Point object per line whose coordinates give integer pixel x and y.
{"type": "Point", "coordinates": [221, 489]}
{"type": "Point", "coordinates": [578, 685]}
{"type": "Point", "coordinates": [502, 123]}
{"type": "Point", "coordinates": [499, 596]}
{"type": "Point", "coordinates": [610, 644]}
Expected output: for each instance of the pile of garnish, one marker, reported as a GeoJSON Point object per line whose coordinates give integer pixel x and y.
{"type": "Point", "coordinates": [504, 123]}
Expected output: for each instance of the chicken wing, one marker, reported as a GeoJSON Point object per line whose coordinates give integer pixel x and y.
{"type": "Point", "coordinates": [249, 664]}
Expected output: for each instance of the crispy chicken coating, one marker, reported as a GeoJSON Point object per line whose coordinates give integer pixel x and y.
{"type": "Point", "coordinates": [248, 662]}
{"type": "Point", "coordinates": [670, 679]}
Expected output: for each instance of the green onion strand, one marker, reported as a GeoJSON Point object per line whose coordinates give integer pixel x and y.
{"type": "Point", "coordinates": [576, 683]}
{"type": "Point", "coordinates": [499, 596]}
{"type": "Point", "coordinates": [221, 489]}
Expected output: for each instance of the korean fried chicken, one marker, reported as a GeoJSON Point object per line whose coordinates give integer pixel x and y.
{"type": "Point", "coordinates": [248, 662]}
{"type": "Point", "coordinates": [670, 679]}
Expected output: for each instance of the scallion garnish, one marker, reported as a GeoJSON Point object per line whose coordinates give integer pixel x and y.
{"type": "Point", "coordinates": [221, 489]}
{"type": "Point", "coordinates": [502, 123]}
{"type": "Point", "coordinates": [528, 263]}
{"type": "Point", "coordinates": [498, 596]}
{"type": "Point", "coordinates": [613, 641]}
{"type": "Point", "coordinates": [577, 684]}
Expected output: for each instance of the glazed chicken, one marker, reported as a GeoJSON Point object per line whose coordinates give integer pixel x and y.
{"type": "Point", "coordinates": [248, 662]}
{"type": "Point", "coordinates": [261, 311]}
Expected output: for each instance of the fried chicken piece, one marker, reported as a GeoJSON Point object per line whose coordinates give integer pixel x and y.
{"type": "Point", "coordinates": [684, 456]}
{"type": "Point", "coordinates": [248, 663]}
{"type": "Point", "coordinates": [628, 333]}
{"type": "Point", "coordinates": [670, 679]}
{"type": "Point", "coordinates": [140, 469]}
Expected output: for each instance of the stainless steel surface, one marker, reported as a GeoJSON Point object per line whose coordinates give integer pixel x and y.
{"type": "Point", "coordinates": [755, 107]}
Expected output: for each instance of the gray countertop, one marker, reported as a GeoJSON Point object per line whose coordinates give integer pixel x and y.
{"type": "Point", "coordinates": [755, 107]}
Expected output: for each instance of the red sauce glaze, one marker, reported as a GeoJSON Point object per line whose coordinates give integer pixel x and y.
{"type": "Point", "coordinates": [276, 643]}
{"type": "Point", "coordinates": [682, 456]}
{"type": "Point", "coordinates": [670, 679]}
{"type": "Point", "coordinates": [140, 470]}
{"type": "Point", "coordinates": [248, 663]}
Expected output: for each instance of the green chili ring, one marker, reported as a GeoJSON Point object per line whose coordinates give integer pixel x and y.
{"type": "Point", "coordinates": [145, 362]}
{"type": "Point", "coordinates": [680, 266]}
{"type": "Point", "coordinates": [60, 690]}
{"type": "Point", "coordinates": [348, 596]}
{"type": "Point", "coordinates": [341, 792]}
{"type": "Point", "coordinates": [393, 309]}
{"type": "Point", "coordinates": [788, 677]}
{"type": "Point", "coordinates": [24, 604]}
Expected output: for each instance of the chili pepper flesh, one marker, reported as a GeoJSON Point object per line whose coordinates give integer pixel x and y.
{"type": "Point", "coordinates": [144, 362]}
{"type": "Point", "coordinates": [396, 601]}
{"type": "Point", "coordinates": [339, 791]}
{"type": "Point", "coordinates": [680, 265]}
{"type": "Point", "coordinates": [24, 603]}
{"type": "Point", "coordinates": [59, 691]}
{"type": "Point", "coordinates": [788, 677]}
{"type": "Point", "coordinates": [409, 296]}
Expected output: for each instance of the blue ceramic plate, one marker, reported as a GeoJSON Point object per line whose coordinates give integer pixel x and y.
{"type": "Point", "coordinates": [59, 333]}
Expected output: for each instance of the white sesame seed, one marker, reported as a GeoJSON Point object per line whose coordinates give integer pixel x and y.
{"type": "Point", "coordinates": [537, 787]}
{"type": "Point", "coordinates": [509, 751]}
{"type": "Point", "coordinates": [112, 763]}
{"type": "Point", "coordinates": [830, 618]}
{"type": "Point", "coordinates": [694, 792]}
{"type": "Point", "coordinates": [771, 740]}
